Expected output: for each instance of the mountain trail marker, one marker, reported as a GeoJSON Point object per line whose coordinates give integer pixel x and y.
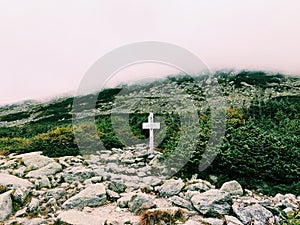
{"type": "Point", "coordinates": [151, 126]}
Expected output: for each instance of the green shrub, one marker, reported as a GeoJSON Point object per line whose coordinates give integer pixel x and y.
{"type": "Point", "coordinates": [57, 142]}
{"type": "Point", "coordinates": [15, 145]}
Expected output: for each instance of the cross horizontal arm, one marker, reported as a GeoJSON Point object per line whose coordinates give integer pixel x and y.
{"type": "Point", "coordinates": [151, 126]}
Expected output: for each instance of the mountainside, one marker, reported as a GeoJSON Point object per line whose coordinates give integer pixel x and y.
{"type": "Point", "coordinates": [255, 114]}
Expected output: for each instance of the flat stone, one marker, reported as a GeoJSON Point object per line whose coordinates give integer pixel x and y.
{"type": "Point", "coordinates": [47, 170]}
{"type": "Point", "coordinates": [151, 180]}
{"type": "Point", "coordinates": [256, 214]}
{"type": "Point", "coordinates": [55, 193]}
{"type": "Point", "coordinates": [117, 186]}
{"type": "Point", "coordinates": [78, 174]}
{"type": "Point", "coordinates": [35, 159]}
{"type": "Point", "coordinates": [212, 203]}
{"type": "Point", "coordinates": [199, 185]}
{"type": "Point", "coordinates": [76, 217]}
{"type": "Point", "coordinates": [139, 202]}
{"type": "Point", "coordinates": [8, 180]}
{"type": "Point", "coordinates": [171, 187]}
{"type": "Point", "coordinates": [93, 196]}
{"type": "Point", "coordinates": [178, 201]}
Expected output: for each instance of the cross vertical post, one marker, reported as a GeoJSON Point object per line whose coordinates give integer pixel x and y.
{"type": "Point", "coordinates": [151, 126]}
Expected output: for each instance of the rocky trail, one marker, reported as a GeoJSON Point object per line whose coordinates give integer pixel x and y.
{"type": "Point", "coordinates": [124, 186]}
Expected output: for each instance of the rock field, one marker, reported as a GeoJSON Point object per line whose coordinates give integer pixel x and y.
{"type": "Point", "coordinates": [124, 187]}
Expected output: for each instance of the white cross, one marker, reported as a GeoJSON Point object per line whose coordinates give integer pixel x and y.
{"type": "Point", "coordinates": [151, 126]}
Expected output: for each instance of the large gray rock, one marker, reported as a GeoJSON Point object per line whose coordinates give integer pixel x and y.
{"type": "Point", "coordinates": [212, 203]}
{"type": "Point", "coordinates": [286, 201]}
{"type": "Point", "coordinates": [171, 187]}
{"type": "Point", "coordinates": [43, 182]}
{"type": "Point", "coordinates": [199, 185]}
{"type": "Point", "coordinates": [140, 201]}
{"type": "Point", "coordinates": [48, 170]}
{"type": "Point", "coordinates": [151, 180]}
{"type": "Point", "coordinates": [78, 174]}
{"type": "Point", "coordinates": [76, 217]}
{"type": "Point", "coordinates": [117, 186]}
{"type": "Point", "coordinates": [124, 200]}
{"type": "Point", "coordinates": [5, 205]}
{"type": "Point", "coordinates": [55, 193]}
{"type": "Point", "coordinates": [178, 201]}
{"type": "Point", "coordinates": [232, 187]}
{"type": "Point", "coordinates": [20, 195]}
{"type": "Point", "coordinates": [254, 214]}
{"type": "Point", "coordinates": [93, 196]}
{"type": "Point", "coordinates": [8, 180]}
{"type": "Point", "coordinates": [35, 160]}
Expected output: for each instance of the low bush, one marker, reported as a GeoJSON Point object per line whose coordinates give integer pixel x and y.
{"type": "Point", "coordinates": [57, 142]}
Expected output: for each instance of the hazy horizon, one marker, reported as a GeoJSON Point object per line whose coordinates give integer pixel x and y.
{"type": "Point", "coordinates": [47, 46]}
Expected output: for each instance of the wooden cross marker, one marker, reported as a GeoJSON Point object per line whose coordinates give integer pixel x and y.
{"type": "Point", "coordinates": [151, 126]}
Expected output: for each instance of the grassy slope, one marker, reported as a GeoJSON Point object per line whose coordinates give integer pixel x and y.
{"type": "Point", "coordinates": [261, 139]}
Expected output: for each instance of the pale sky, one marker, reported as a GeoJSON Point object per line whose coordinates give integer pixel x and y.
{"type": "Point", "coordinates": [46, 46]}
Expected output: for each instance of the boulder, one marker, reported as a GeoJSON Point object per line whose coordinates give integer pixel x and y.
{"type": "Point", "coordinates": [181, 202]}
{"type": "Point", "coordinates": [47, 170]}
{"type": "Point", "coordinates": [117, 186]}
{"type": "Point", "coordinates": [232, 187]}
{"type": "Point", "coordinates": [212, 203]}
{"type": "Point", "coordinates": [140, 201]}
{"type": "Point", "coordinates": [55, 193]}
{"type": "Point", "coordinates": [43, 182]}
{"type": "Point", "coordinates": [151, 180]}
{"type": "Point", "coordinates": [78, 174]}
{"type": "Point", "coordinates": [5, 205]}
{"type": "Point", "coordinates": [199, 185]}
{"type": "Point", "coordinates": [170, 187]}
{"type": "Point", "coordinates": [76, 217]}
{"type": "Point", "coordinates": [14, 182]}
{"type": "Point", "coordinates": [93, 196]}
{"type": "Point", "coordinates": [255, 214]}
{"type": "Point", "coordinates": [35, 160]}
